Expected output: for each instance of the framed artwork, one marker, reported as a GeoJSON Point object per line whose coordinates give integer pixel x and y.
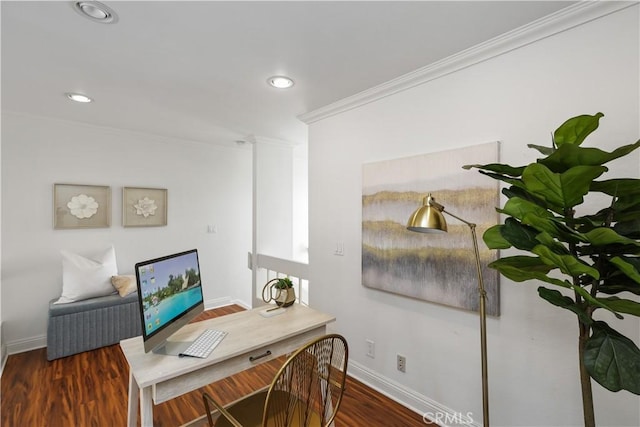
{"type": "Point", "coordinates": [81, 206]}
{"type": "Point", "coordinates": [144, 207]}
{"type": "Point", "coordinates": [438, 268]}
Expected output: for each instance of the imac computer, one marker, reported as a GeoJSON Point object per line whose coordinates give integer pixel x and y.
{"type": "Point", "coordinates": [169, 296]}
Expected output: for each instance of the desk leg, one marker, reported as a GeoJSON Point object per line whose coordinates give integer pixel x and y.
{"type": "Point", "coordinates": [132, 414]}
{"type": "Point", "coordinates": [146, 407]}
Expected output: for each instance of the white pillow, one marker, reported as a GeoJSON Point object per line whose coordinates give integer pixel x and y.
{"type": "Point", "coordinates": [84, 278]}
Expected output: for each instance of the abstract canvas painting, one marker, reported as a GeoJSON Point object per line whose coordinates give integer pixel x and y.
{"type": "Point", "coordinates": [439, 268]}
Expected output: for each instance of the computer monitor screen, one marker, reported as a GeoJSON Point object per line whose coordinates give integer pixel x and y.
{"type": "Point", "coordinates": [169, 295]}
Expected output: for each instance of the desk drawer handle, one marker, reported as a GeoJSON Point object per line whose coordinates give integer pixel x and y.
{"type": "Point", "coordinates": [265, 354]}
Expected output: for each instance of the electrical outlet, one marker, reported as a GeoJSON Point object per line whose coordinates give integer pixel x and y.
{"type": "Point", "coordinates": [401, 363]}
{"type": "Point", "coordinates": [371, 349]}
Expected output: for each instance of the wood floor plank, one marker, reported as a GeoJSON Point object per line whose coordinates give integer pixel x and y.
{"type": "Point", "coordinates": [90, 389]}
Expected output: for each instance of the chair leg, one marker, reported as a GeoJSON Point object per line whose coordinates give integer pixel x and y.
{"type": "Point", "coordinates": [205, 398]}
{"type": "Point", "coordinates": [219, 408]}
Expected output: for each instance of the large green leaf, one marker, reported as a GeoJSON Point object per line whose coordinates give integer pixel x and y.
{"type": "Point", "coordinates": [626, 209]}
{"type": "Point", "coordinates": [509, 180]}
{"type": "Point", "coordinates": [611, 250]}
{"type": "Point", "coordinates": [493, 238]}
{"type": "Point", "coordinates": [542, 149]}
{"type": "Point", "coordinates": [616, 284]}
{"type": "Point", "coordinates": [565, 189]}
{"type": "Point", "coordinates": [549, 241]}
{"type": "Point", "coordinates": [628, 224]}
{"type": "Point", "coordinates": [503, 169]}
{"type": "Point", "coordinates": [606, 236]}
{"type": "Point", "coordinates": [568, 264]}
{"type": "Point", "coordinates": [629, 229]}
{"type": "Point", "coordinates": [576, 129]}
{"type": "Point", "coordinates": [570, 155]}
{"type": "Point", "coordinates": [556, 298]}
{"type": "Point", "coordinates": [519, 235]}
{"type": "Point", "coordinates": [629, 266]}
{"type": "Point", "coordinates": [554, 227]}
{"type": "Point", "coordinates": [522, 193]}
{"type": "Point", "coordinates": [623, 187]}
{"type": "Point", "coordinates": [627, 203]}
{"type": "Point", "coordinates": [521, 268]}
{"type": "Point", "coordinates": [621, 305]}
{"type": "Point", "coordinates": [612, 359]}
{"type": "Point", "coordinates": [518, 208]}
{"type": "Point", "coordinates": [589, 222]}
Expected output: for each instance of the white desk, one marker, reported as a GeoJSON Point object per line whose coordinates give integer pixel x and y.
{"type": "Point", "coordinates": [157, 378]}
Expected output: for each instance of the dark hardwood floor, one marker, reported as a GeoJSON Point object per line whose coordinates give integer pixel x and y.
{"type": "Point", "coordinates": [90, 389]}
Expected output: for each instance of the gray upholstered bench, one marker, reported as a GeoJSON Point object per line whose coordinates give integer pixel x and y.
{"type": "Point", "coordinates": [89, 324]}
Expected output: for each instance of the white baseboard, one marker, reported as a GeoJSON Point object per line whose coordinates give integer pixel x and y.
{"type": "Point", "coordinates": [216, 302]}
{"type": "Point", "coordinates": [26, 344]}
{"type": "Point", "coordinates": [221, 302]}
{"type": "Point", "coordinates": [427, 408]}
{"type": "Point", "coordinates": [3, 352]}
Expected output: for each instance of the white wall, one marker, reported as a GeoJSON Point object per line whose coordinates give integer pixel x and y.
{"type": "Point", "coordinates": [300, 176]}
{"type": "Point", "coordinates": [207, 185]}
{"type": "Point", "coordinates": [2, 345]}
{"type": "Point", "coordinates": [274, 190]}
{"type": "Point", "coordinates": [517, 98]}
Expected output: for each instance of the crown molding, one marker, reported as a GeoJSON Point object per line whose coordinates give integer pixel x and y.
{"type": "Point", "coordinates": [560, 21]}
{"type": "Point", "coordinates": [159, 138]}
{"type": "Point", "coordinates": [265, 140]}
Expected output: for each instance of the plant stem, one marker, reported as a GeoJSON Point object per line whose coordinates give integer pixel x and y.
{"type": "Point", "coordinates": [585, 378]}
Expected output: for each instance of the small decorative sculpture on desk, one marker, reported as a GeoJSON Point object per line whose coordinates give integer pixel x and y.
{"type": "Point", "coordinates": [279, 290]}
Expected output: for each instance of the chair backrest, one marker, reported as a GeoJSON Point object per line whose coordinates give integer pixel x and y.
{"type": "Point", "coordinates": [307, 390]}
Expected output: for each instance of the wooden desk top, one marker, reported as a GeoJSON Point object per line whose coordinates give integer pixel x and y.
{"type": "Point", "coordinates": [247, 331]}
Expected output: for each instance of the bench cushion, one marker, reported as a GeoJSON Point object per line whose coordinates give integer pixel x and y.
{"type": "Point", "coordinates": [90, 304]}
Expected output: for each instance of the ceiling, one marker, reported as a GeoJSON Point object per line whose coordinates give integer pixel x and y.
{"type": "Point", "coordinates": [198, 70]}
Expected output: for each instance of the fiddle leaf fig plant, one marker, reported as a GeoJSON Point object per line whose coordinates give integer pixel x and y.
{"type": "Point", "coordinates": [586, 261]}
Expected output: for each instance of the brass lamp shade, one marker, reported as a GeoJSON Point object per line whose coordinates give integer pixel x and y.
{"type": "Point", "coordinates": [428, 218]}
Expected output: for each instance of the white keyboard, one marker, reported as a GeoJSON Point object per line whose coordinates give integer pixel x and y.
{"type": "Point", "coordinates": [204, 344]}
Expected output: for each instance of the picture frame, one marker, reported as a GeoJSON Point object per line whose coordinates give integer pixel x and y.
{"type": "Point", "coordinates": [81, 206]}
{"type": "Point", "coordinates": [440, 269]}
{"type": "Point", "coordinates": [144, 207]}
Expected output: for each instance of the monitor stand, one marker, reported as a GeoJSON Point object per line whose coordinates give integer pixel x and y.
{"type": "Point", "coordinates": [172, 348]}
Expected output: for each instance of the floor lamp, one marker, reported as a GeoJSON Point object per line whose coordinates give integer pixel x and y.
{"type": "Point", "coordinates": [429, 219]}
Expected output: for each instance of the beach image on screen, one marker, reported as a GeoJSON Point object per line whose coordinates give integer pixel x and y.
{"type": "Point", "coordinates": [169, 288]}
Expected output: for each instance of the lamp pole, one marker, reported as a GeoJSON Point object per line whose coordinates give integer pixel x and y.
{"type": "Point", "coordinates": [429, 218]}
{"type": "Point", "coordinates": [483, 328]}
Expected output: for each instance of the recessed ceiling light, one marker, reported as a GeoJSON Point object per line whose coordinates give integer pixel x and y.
{"type": "Point", "coordinates": [280, 82]}
{"type": "Point", "coordinates": [95, 11]}
{"type": "Point", "coordinates": [78, 97]}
